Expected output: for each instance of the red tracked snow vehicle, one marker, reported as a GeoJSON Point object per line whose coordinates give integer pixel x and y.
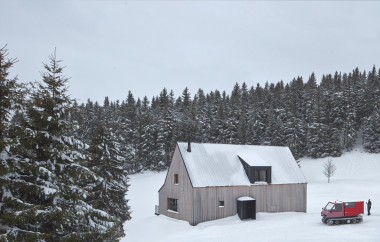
{"type": "Point", "coordinates": [343, 212]}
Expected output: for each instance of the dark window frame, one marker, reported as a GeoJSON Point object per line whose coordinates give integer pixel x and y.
{"type": "Point", "coordinates": [338, 207]}
{"type": "Point", "coordinates": [173, 204]}
{"type": "Point", "coordinates": [221, 204]}
{"type": "Point", "coordinates": [263, 174]}
{"type": "Point", "coordinates": [176, 180]}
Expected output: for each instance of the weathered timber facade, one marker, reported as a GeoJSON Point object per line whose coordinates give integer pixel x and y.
{"type": "Point", "coordinates": [201, 204]}
{"type": "Point", "coordinates": [183, 191]}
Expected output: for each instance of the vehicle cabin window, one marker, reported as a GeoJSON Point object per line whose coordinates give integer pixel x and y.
{"type": "Point", "coordinates": [175, 178]}
{"type": "Point", "coordinates": [221, 204]}
{"type": "Point", "coordinates": [350, 205]}
{"type": "Point", "coordinates": [329, 206]}
{"type": "Point", "coordinates": [173, 204]}
{"type": "Point", "coordinates": [337, 207]}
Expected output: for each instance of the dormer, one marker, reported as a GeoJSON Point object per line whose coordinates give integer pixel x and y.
{"type": "Point", "coordinates": [256, 168]}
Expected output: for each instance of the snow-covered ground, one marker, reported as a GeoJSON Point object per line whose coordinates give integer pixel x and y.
{"type": "Point", "coordinates": [357, 178]}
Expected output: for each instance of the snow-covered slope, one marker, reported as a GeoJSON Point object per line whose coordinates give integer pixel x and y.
{"type": "Point", "coordinates": [357, 178]}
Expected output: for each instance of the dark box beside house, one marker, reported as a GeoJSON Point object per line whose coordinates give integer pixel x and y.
{"type": "Point", "coordinates": [246, 208]}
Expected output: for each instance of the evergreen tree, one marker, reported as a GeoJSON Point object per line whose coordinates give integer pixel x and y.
{"type": "Point", "coordinates": [358, 80]}
{"type": "Point", "coordinates": [331, 117]}
{"type": "Point", "coordinates": [162, 128]}
{"type": "Point", "coordinates": [10, 94]}
{"type": "Point", "coordinates": [259, 118]}
{"type": "Point", "coordinates": [349, 134]}
{"type": "Point", "coordinates": [107, 194]}
{"type": "Point", "coordinates": [202, 118]}
{"type": "Point", "coordinates": [316, 130]}
{"type": "Point", "coordinates": [145, 131]}
{"type": "Point", "coordinates": [294, 126]}
{"type": "Point", "coordinates": [233, 115]}
{"type": "Point", "coordinates": [45, 194]}
{"type": "Point", "coordinates": [371, 132]}
{"type": "Point", "coordinates": [277, 128]}
{"type": "Point", "coordinates": [244, 115]}
{"type": "Point", "coordinates": [126, 130]}
{"type": "Point", "coordinates": [371, 92]}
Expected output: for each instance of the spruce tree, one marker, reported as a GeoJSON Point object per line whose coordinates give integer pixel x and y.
{"type": "Point", "coordinates": [203, 130]}
{"type": "Point", "coordinates": [244, 115]}
{"type": "Point", "coordinates": [9, 90]}
{"type": "Point", "coordinates": [10, 95]}
{"type": "Point", "coordinates": [127, 133]}
{"type": "Point", "coordinates": [294, 130]}
{"type": "Point", "coordinates": [145, 132]}
{"type": "Point", "coordinates": [36, 191]}
{"type": "Point", "coordinates": [233, 115]}
{"type": "Point", "coordinates": [316, 130]}
{"type": "Point", "coordinates": [371, 92]}
{"type": "Point", "coordinates": [349, 134]}
{"type": "Point", "coordinates": [107, 194]}
{"type": "Point", "coordinates": [46, 192]}
{"type": "Point", "coordinates": [371, 132]}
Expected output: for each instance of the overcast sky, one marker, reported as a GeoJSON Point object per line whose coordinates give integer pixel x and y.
{"type": "Point", "coordinates": [111, 47]}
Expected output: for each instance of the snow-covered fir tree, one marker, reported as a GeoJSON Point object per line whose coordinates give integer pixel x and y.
{"type": "Point", "coordinates": [371, 131]}
{"type": "Point", "coordinates": [10, 95]}
{"type": "Point", "coordinates": [107, 193]}
{"type": "Point", "coordinates": [45, 184]}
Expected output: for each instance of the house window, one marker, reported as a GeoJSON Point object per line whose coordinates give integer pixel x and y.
{"type": "Point", "coordinates": [221, 204]}
{"type": "Point", "coordinates": [173, 204]}
{"type": "Point", "coordinates": [261, 175]}
{"type": "Point", "coordinates": [175, 178]}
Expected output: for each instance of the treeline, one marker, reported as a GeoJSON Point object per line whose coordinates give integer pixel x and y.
{"type": "Point", "coordinates": [54, 186]}
{"type": "Point", "coordinates": [315, 119]}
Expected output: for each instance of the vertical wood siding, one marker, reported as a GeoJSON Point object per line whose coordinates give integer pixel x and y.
{"type": "Point", "coordinates": [183, 191]}
{"type": "Point", "coordinates": [269, 198]}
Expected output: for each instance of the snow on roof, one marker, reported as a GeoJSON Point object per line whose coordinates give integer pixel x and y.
{"type": "Point", "coordinates": [219, 164]}
{"type": "Point", "coordinates": [252, 158]}
{"type": "Point", "coordinates": [245, 199]}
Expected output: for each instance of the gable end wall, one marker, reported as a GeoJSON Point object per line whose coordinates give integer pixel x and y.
{"type": "Point", "coordinates": [183, 191]}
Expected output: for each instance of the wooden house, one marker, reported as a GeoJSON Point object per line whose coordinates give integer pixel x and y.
{"type": "Point", "coordinates": [205, 181]}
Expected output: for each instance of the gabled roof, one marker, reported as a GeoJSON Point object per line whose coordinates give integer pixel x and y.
{"type": "Point", "coordinates": [219, 164]}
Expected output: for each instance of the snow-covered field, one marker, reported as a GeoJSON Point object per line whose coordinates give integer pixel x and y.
{"type": "Point", "coordinates": [357, 178]}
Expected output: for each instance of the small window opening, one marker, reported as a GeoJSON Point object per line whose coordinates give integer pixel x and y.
{"type": "Point", "coordinates": [175, 178]}
{"type": "Point", "coordinates": [173, 204]}
{"type": "Point", "coordinates": [337, 207]}
{"type": "Point", "coordinates": [261, 175]}
{"type": "Point", "coordinates": [350, 204]}
{"type": "Point", "coordinates": [221, 204]}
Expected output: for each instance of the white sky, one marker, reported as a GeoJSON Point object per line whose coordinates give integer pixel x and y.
{"type": "Point", "coordinates": [110, 47]}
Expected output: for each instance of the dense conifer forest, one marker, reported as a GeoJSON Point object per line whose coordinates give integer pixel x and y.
{"type": "Point", "coordinates": [314, 118]}
{"type": "Point", "coordinates": [64, 164]}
